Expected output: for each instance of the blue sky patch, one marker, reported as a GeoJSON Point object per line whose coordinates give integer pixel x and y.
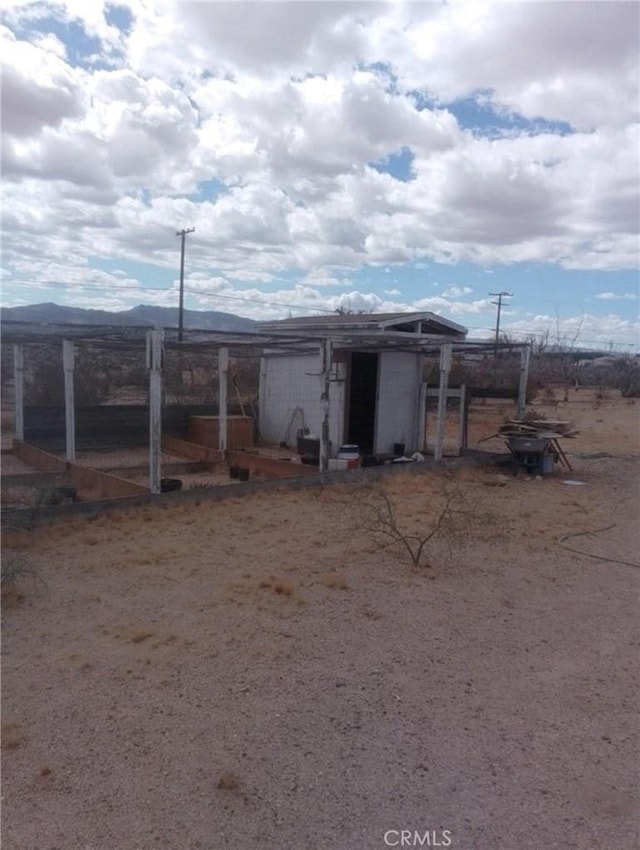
{"type": "Point", "coordinates": [398, 165]}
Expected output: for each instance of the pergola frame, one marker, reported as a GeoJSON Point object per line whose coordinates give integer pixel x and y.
{"type": "Point", "coordinates": [240, 344]}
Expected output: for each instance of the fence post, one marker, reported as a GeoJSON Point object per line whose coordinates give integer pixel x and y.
{"type": "Point", "coordinates": [18, 389]}
{"type": "Point", "coordinates": [462, 423]}
{"type": "Point", "coordinates": [223, 383]}
{"type": "Point", "coordinates": [155, 340]}
{"type": "Point", "coordinates": [324, 430]}
{"type": "Point", "coordinates": [445, 367]}
{"type": "Point", "coordinates": [421, 442]}
{"type": "Point", "coordinates": [68, 364]}
{"type": "Point", "coordinates": [525, 359]}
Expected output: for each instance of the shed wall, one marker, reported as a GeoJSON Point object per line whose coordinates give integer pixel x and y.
{"type": "Point", "coordinates": [291, 382]}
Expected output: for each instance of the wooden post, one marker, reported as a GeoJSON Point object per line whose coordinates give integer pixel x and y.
{"type": "Point", "coordinates": [155, 340]}
{"type": "Point", "coordinates": [326, 383]}
{"type": "Point", "coordinates": [525, 359]}
{"type": "Point", "coordinates": [68, 364]}
{"type": "Point", "coordinates": [18, 391]}
{"type": "Point", "coordinates": [223, 383]}
{"type": "Point", "coordinates": [445, 368]}
{"type": "Point", "coordinates": [421, 442]}
{"type": "Point", "coordinates": [462, 421]}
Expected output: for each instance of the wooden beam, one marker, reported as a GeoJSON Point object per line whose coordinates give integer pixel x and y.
{"type": "Point", "coordinates": [18, 393]}
{"type": "Point", "coordinates": [155, 339]}
{"type": "Point", "coordinates": [68, 364]}
{"type": "Point", "coordinates": [525, 359]}
{"type": "Point", "coordinates": [462, 419]}
{"type": "Point", "coordinates": [223, 385]}
{"type": "Point", "coordinates": [421, 442]}
{"type": "Point", "coordinates": [326, 384]}
{"type": "Point", "coordinates": [445, 368]}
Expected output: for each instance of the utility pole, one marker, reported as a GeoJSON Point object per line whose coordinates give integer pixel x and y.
{"type": "Point", "coordinates": [182, 233]}
{"type": "Point", "coordinates": [498, 303]}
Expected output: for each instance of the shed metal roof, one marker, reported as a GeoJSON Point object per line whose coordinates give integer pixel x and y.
{"type": "Point", "coordinates": [420, 324]}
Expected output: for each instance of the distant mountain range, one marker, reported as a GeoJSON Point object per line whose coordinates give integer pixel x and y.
{"type": "Point", "coordinates": [144, 315]}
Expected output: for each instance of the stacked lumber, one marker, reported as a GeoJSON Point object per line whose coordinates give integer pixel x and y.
{"type": "Point", "coordinates": [548, 429]}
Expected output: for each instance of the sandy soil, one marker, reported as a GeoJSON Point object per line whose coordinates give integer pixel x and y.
{"type": "Point", "coordinates": [260, 673]}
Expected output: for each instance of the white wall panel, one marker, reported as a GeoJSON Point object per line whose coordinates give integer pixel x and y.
{"type": "Point", "coordinates": [287, 383]}
{"type": "Point", "coordinates": [399, 378]}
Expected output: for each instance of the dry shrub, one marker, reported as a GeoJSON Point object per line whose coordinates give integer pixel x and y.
{"type": "Point", "coordinates": [16, 568]}
{"type": "Point", "coordinates": [418, 515]}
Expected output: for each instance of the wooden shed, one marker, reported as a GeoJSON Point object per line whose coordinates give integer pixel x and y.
{"type": "Point", "coordinates": [376, 395]}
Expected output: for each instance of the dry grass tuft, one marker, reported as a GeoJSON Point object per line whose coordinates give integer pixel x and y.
{"type": "Point", "coordinates": [12, 735]}
{"type": "Point", "coordinates": [334, 580]}
{"type": "Point", "coordinates": [228, 781]}
{"type": "Point", "coordinates": [140, 636]}
{"type": "Point", "coordinates": [283, 587]}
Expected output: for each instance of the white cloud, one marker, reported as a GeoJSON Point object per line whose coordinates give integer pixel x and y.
{"type": "Point", "coordinates": [584, 329]}
{"type": "Point", "coordinates": [456, 291]}
{"type": "Point", "coordinates": [613, 296]}
{"type": "Point", "coordinates": [273, 105]}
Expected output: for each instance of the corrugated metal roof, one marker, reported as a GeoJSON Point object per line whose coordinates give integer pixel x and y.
{"type": "Point", "coordinates": [424, 324]}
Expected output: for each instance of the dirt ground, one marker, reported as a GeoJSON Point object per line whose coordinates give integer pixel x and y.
{"type": "Point", "coordinates": [261, 673]}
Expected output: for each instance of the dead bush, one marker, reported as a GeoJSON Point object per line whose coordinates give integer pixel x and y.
{"type": "Point", "coordinates": [447, 516]}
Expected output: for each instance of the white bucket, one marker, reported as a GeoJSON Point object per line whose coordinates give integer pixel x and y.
{"type": "Point", "coordinates": [351, 454]}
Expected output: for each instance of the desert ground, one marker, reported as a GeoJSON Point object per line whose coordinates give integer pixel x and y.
{"type": "Point", "coordinates": [267, 671]}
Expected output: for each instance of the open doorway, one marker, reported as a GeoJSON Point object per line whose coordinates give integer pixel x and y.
{"type": "Point", "coordinates": [361, 408]}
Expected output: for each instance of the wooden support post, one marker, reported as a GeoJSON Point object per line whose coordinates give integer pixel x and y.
{"type": "Point", "coordinates": [462, 421]}
{"type": "Point", "coordinates": [68, 364]}
{"type": "Point", "coordinates": [18, 392]}
{"type": "Point", "coordinates": [445, 368]}
{"type": "Point", "coordinates": [465, 432]}
{"type": "Point", "coordinates": [326, 384]}
{"type": "Point", "coordinates": [223, 383]}
{"type": "Point", "coordinates": [155, 340]}
{"type": "Point", "coordinates": [525, 359]}
{"type": "Point", "coordinates": [421, 442]}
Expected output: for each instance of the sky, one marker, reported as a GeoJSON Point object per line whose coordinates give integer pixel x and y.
{"type": "Point", "coordinates": [365, 156]}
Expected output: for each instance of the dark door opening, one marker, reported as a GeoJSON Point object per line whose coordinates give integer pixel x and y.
{"type": "Point", "coordinates": [361, 410]}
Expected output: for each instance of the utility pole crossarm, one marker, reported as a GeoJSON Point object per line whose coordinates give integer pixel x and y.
{"type": "Point", "coordinates": [498, 303]}
{"type": "Point", "coordinates": [182, 233]}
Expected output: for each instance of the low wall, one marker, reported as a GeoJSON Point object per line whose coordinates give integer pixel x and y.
{"type": "Point", "coordinates": [23, 518]}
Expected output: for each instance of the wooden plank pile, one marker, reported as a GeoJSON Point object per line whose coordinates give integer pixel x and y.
{"type": "Point", "coordinates": [548, 429]}
{"type": "Point", "coordinates": [551, 430]}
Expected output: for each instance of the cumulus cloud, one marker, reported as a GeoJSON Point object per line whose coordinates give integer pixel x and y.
{"type": "Point", "coordinates": [260, 124]}
{"type": "Point", "coordinates": [38, 88]}
{"type": "Point", "coordinates": [456, 291]}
